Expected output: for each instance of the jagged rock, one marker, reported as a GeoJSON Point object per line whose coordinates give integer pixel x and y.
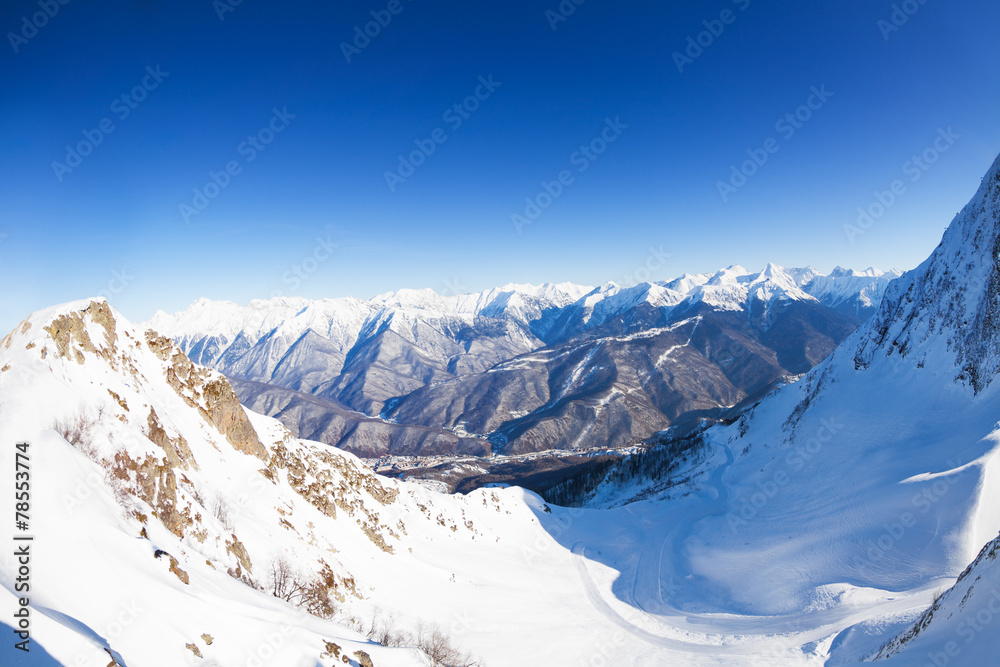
{"type": "Point", "coordinates": [236, 548]}
{"type": "Point", "coordinates": [210, 393]}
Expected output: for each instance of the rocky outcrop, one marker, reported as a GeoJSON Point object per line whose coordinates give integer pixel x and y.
{"type": "Point", "coordinates": [154, 482]}
{"type": "Point", "coordinates": [210, 393]}
{"type": "Point", "coordinates": [330, 483]}
{"type": "Point", "coordinates": [69, 333]}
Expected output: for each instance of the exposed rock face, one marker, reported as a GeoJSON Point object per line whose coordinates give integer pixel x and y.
{"type": "Point", "coordinates": [227, 414]}
{"type": "Point", "coordinates": [328, 483]}
{"type": "Point", "coordinates": [69, 332]}
{"type": "Point", "coordinates": [146, 454]}
{"type": "Point", "coordinates": [176, 449]}
{"type": "Point", "coordinates": [210, 393]}
{"type": "Point", "coordinates": [236, 548]}
{"type": "Point", "coordinates": [153, 481]}
{"type": "Point", "coordinates": [175, 569]}
{"type": "Point", "coordinates": [149, 459]}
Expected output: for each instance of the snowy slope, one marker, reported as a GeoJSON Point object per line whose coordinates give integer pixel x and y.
{"type": "Point", "coordinates": [960, 627]}
{"type": "Point", "coordinates": [159, 507]}
{"type": "Point", "coordinates": [147, 448]}
{"type": "Point", "coordinates": [135, 451]}
{"type": "Point", "coordinates": [872, 482]}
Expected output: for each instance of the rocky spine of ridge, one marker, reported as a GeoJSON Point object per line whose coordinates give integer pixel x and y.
{"type": "Point", "coordinates": [115, 427]}
{"type": "Point", "coordinates": [954, 295]}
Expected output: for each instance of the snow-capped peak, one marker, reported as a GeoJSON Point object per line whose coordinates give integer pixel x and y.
{"type": "Point", "coordinates": [950, 305]}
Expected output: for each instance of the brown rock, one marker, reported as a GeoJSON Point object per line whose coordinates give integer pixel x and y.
{"type": "Point", "coordinates": [178, 572]}
{"type": "Point", "coordinates": [211, 394]}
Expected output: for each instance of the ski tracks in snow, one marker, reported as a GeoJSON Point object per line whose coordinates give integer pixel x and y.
{"type": "Point", "coordinates": [717, 636]}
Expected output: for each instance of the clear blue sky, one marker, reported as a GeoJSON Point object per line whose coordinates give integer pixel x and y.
{"type": "Point", "coordinates": [70, 234]}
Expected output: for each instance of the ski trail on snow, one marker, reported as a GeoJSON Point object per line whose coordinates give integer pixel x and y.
{"type": "Point", "coordinates": [666, 353]}
{"type": "Point", "coordinates": [724, 634]}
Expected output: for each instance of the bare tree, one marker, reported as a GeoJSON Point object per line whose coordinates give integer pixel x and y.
{"type": "Point", "coordinates": [312, 595]}
{"type": "Point", "coordinates": [221, 511]}
{"type": "Point", "coordinates": [429, 638]}
{"type": "Point", "coordinates": [79, 432]}
{"type": "Point", "coordinates": [438, 647]}
{"type": "Point", "coordinates": [281, 580]}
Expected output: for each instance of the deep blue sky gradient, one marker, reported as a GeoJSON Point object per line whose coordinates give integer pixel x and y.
{"type": "Point", "coordinates": [449, 225]}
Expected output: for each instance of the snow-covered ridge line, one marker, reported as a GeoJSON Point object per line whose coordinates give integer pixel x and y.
{"type": "Point", "coordinates": [370, 355]}
{"type": "Point", "coordinates": [342, 319]}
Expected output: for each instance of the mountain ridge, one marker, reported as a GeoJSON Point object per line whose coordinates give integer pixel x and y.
{"type": "Point", "coordinates": [378, 356]}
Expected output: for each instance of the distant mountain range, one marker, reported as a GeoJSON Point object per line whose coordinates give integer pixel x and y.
{"type": "Point", "coordinates": [525, 368]}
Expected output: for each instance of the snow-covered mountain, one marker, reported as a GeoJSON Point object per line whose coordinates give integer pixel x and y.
{"type": "Point", "coordinates": [852, 292]}
{"type": "Point", "coordinates": [872, 482]}
{"type": "Point", "coordinates": [171, 527]}
{"type": "Point", "coordinates": [417, 357]}
{"type": "Point", "coordinates": [833, 523]}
